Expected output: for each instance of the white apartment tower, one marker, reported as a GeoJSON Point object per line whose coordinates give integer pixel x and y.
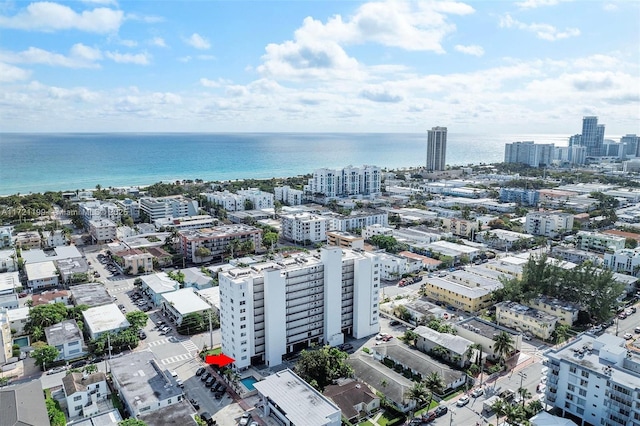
{"type": "Point", "coordinates": [347, 182]}
{"type": "Point", "coordinates": [436, 149]}
{"type": "Point", "coordinates": [276, 308]}
{"type": "Point", "coordinates": [171, 206]}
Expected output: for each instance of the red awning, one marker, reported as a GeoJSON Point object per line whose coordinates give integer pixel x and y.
{"type": "Point", "coordinates": [220, 360]}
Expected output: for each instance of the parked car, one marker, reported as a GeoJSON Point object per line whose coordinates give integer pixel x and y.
{"type": "Point", "coordinates": [180, 383]}
{"type": "Point", "coordinates": [637, 329]}
{"type": "Point", "coordinates": [394, 323]}
{"type": "Point", "coordinates": [142, 335]}
{"type": "Point", "coordinates": [477, 392]}
{"type": "Point", "coordinates": [429, 417]}
{"type": "Point", "coordinates": [210, 381]}
{"type": "Point", "coordinates": [195, 403]}
{"type": "Point", "coordinates": [205, 376]}
{"type": "Point", "coordinates": [22, 294]}
{"type": "Point", "coordinates": [55, 370]}
{"type": "Point", "coordinates": [387, 338]}
{"type": "Point", "coordinates": [245, 419]}
{"type": "Point", "coordinates": [464, 400]}
{"type": "Point", "coordinates": [200, 371]}
{"type": "Point", "coordinates": [220, 393]}
{"type": "Point", "coordinates": [628, 336]}
{"type": "Point", "coordinates": [441, 411]}
{"type": "Point", "coordinates": [206, 417]}
{"type": "Point", "coordinates": [79, 364]}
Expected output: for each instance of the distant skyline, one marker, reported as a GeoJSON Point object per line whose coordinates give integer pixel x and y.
{"type": "Point", "coordinates": [530, 66]}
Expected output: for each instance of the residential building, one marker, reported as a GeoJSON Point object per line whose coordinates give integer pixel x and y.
{"type": "Point", "coordinates": [350, 181]}
{"type": "Point", "coordinates": [501, 239]}
{"type": "Point", "coordinates": [453, 250]}
{"type": "Point", "coordinates": [548, 224]}
{"type": "Point", "coordinates": [227, 200]}
{"type": "Point", "coordinates": [345, 240]}
{"type": "Point", "coordinates": [23, 405]}
{"type": "Point", "coordinates": [376, 229]}
{"type": "Point", "coordinates": [5, 236]}
{"type": "Point", "coordinates": [288, 195]}
{"type": "Point", "coordinates": [194, 277]}
{"type": "Point", "coordinates": [54, 238]}
{"type": "Point", "coordinates": [7, 261]}
{"type": "Point", "coordinates": [142, 383]}
{"type": "Point", "coordinates": [631, 145]}
{"type": "Point", "coordinates": [177, 304]}
{"type": "Point", "coordinates": [567, 312]}
{"type": "Point", "coordinates": [483, 332]}
{"type": "Point", "coordinates": [9, 301]}
{"type": "Point", "coordinates": [460, 227]}
{"type": "Point", "coordinates": [383, 379]}
{"type": "Point", "coordinates": [395, 353]}
{"type": "Point", "coordinates": [595, 380]}
{"type": "Point", "coordinates": [523, 197]}
{"type": "Point", "coordinates": [393, 267]}
{"type": "Point", "coordinates": [258, 199]}
{"type": "Point", "coordinates": [529, 153]}
{"type": "Point", "coordinates": [103, 230]}
{"type": "Point", "coordinates": [525, 319]}
{"type": "Point", "coordinates": [171, 206]}
{"type": "Point", "coordinates": [592, 136]}
{"type": "Point", "coordinates": [67, 338]}
{"type": "Point", "coordinates": [452, 348]}
{"type": "Point", "coordinates": [9, 282]}
{"type": "Point", "coordinates": [102, 319]}
{"type": "Point", "coordinates": [188, 222]}
{"type": "Point", "coordinates": [130, 208]}
{"type": "Point", "coordinates": [459, 295]}
{"type": "Point", "coordinates": [204, 245]}
{"type": "Point", "coordinates": [73, 270]}
{"type": "Point", "coordinates": [161, 256]}
{"type": "Point", "coordinates": [571, 155]}
{"type": "Point", "coordinates": [428, 264]}
{"type": "Point", "coordinates": [623, 260]}
{"type": "Point", "coordinates": [84, 392]}
{"type": "Point", "coordinates": [41, 275]}
{"type": "Point", "coordinates": [276, 308]}
{"type": "Point", "coordinates": [99, 210]}
{"type": "Point", "coordinates": [358, 219]}
{"type": "Point", "coordinates": [18, 318]}
{"type": "Point", "coordinates": [292, 401]}
{"type": "Point", "coordinates": [155, 285]}
{"type": "Point", "coordinates": [28, 240]}
{"type": "Point", "coordinates": [6, 342]}
{"type": "Point", "coordinates": [135, 261]}
{"type": "Point", "coordinates": [58, 253]}
{"type": "Point", "coordinates": [599, 242]}
{"type": "Point", "coordinates": [305, 228]}
{"type": "Point", "coordinates": [354, 398]}
{"type": "Point", "coordinates": [436, 149]}
{"type": "Point", "coordinates": [51, 296]}
{"type": "Point", "coordinates": [575, 255]}
{"type": "Point", "coordinates": [90, 294]}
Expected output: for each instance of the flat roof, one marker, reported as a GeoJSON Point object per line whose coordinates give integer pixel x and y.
{"type": "Point", "coordinates": [141, 380]}
{"type": "Point", "coordinates": [461, 289]}
{"type": "Point", "coordinates": [185, 301]}
{"type": "Point", "coordinates": [63, 332]}
{"type": "Point", "coordinates": [104, 318]}
{"type": "Point", "coordinates": [180, 413]}
{"type": "Point", "coordinates": [211, 295]}
{"type": "Point", "coordinates": [446, 245]}
{"type": "Point", "coordinates": [483, 328]}
{"type": "Point", "coordinates": [160, 282]}
{"type": "Point", "coordinates": [375, 373]}
{"type": "Point", "coordinates": [90, 294]}
{"type": "Point", "coordinates": [9, 281]}
{"type": "Point", "coordinates": [40, 270]}
{"type": "Point", "coordinates": [63, 252]}
{"type": "Point", "coordinates": [452, 342]}
{"type": "Point", "coordinates": [302, 404]}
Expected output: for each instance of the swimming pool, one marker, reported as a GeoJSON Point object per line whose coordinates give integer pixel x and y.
{"type": "Point", "coordinates": [21, 341]}
{"type": "Point", "coordinates": [248, 382]}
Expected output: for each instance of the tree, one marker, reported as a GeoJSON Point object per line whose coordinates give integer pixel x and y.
{"type": "Point", "coordinates": [500, 408]}
{"type": "Point", "coordinates": [137, 319]}
{"type": "Point", "coordinates": [434, 383]}
{"type": "Point", "coordinates": [385, 242]}
{"type": "Point", "coordinates": [402, 312]}
{"type": "Point", "coordinates": [524, 394]}
{"type": "Point", "coordinates": [46, 315]}
{"type": "Point", "coordinates": [203, 252]}
{"type": "Point", "coordinates": [45, 355]}
{"type": "Point", "coordinates": [322, 366]}
{"type": "Point", "coordinates": [534, 407]}
{"type": "Point", "coordinates": [55, 413]}
{"type": "Point", "coordinates": [418, 393]}
{"type": "Point", "coordinates": [561, 333]}
{"type": "Point", "coordinates": [270, 239]}
{"type": "Point", "coordinates": [131, 422]}
{"type": "Point", "coordinates": [193, 323]}
{"type": "Point", "coordinates": [410, 337]}
{"type": "Point", "coordinates": [503, 345]}
{"type": "Point", "coordinates": [630, 243]}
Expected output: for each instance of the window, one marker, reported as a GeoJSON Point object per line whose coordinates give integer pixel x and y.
{"type": "Point", "coordinates": [74, 343]}
{"type": "Point", "coordinates": [243, 318]}
{"type": "Point", "coordinates": [583, 392]}
{"type": "Point", "coordinates": [585, 374]}
{"type": "Point", "coordinates": [77, 398]}
{"type": "Point", "coordinates": [78, 407]}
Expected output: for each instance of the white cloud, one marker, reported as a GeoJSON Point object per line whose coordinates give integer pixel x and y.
{"type": "Point", "coordinates": [80, 56]}
{"type": "Point", "coordinates": [533, 4]}
{"type": "Point", "coordinates": [379, 94]}
{"type": "Point", "coordinates": [610, 7]}
{"type": "Point", "coordinates": [185, 59]}
{"type": "Point", "coordinates": [542, 31]}
{"type": "Point", "coordinates": [473, 49]}
{"type": "Point", "coordinates": [105, 2]}
{"type": "Point", "coordinates": [9, 73]}
{"type": "Point", "coordinates": [129, 43]}
{"type": "Point", "coordinates": [47, 16]}
{"type": "Point", "coordinates": [129, 58]}
{"type": "Point", "coordinates": [158, 42]}
{"type": "Point", "coordinates": [198, 42]}
{"type": "Point", "coordinates": [220, 82]}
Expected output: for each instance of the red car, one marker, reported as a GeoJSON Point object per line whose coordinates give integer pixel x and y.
{"type": "Point", "coordinates": [22, 294]}
{"type": "Point", "coordinates": [387, 338]}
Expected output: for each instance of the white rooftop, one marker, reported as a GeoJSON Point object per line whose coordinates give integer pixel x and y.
{"type": "Point", "coordinates": [104, 318]}
{"type": "Point", "coordinates": [9, 281]}
{"type": "Point", "coordinates": [211, 295]}
{"type": "Point", "coordinates": [185, 301]}
{"type": "Point", "coordinates": [40, 270]}
{"type": "Point", "coordinates": [303, 404]}
{"type": "Point", "coordinates": [159, 283]}
{"type": "Point", "coordinates": [58, 253]}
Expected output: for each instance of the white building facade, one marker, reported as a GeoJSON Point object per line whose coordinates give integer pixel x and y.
{"type": "Point", "coordinates": [347, 182]}
{"type": "Point", "coordinates": [288, 195]}
{"type": "Point", "coordinates": [277, 308]}
{"type": "Point", "coordinates": [548, 224]}
{"type": "Point", "coordinates": [305, 227]}
{"type": "Point", "coordinates": [171, 206]}
{"type": "Point", "coordinates": [624, 260]}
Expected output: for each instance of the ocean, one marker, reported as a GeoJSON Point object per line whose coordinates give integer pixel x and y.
{"type": "Point", "coordinates": [61, 162]}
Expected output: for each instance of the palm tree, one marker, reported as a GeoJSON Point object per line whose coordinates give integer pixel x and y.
{"type": "Point", "coordinates": [534, 407]}
{"type": "Point", "coordinates": [500, 408]}
{"type": "Point", "coordinates": [418, 393]}
{"type": "Point", "coordinates": [561, 333]}
{"type": "Point", "coordinates": [410, 337]}
{"type": "Point", "coordinates": [503, 345]}
{"type": "Point", "coordinates": [524, 394]}
{"type": "Point", "coordinates": [515, 414]}
{"type": "Point", "coordinates": [434, 383]}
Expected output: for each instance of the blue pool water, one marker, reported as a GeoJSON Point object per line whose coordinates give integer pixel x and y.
{"type": "Point", "coordinates": [248, 382]}
{"type": "Point", "coordinates": [21, 341]}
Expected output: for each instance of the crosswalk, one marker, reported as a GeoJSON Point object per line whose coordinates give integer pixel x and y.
{"type": "Point", "coordinates": [160, 342]}
{"type": "Point", "coordinates": [176, 358]}
{"type": "Point", "coordinates": [189, 345]}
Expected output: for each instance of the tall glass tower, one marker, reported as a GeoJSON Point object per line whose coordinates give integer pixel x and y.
{"type": "Point", "coordinates": [592, 136]}
{"type": "Point", "coordinates": [437, 149]}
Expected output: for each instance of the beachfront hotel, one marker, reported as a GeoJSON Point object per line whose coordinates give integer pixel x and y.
{"type": "Point", "coordinates": [273, 309]}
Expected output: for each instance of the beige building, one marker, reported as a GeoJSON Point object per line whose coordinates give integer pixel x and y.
{"type": "Point", "coordinates": [102, 230]}
{"type": "Point", "coordinates": [136, 261]}
{"type": "Point", "coordinates": [459, 295]}
{"type": "Point", "coordinates": [460, 227]}
{"type": "Point", "coordinates": [345, 240]}
{"type": "Point", "coordinates": [218, 242]}
{"type": "Point", "coordinates": [28, 240]}
{"type": "Point", "coordinates": [566, 312]}
{"type": "Point", "coordinates": [525, 319]}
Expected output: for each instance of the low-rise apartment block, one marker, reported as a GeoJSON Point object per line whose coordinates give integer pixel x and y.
{"type": "Point", "coordinates": [135, 261]}
{"type": "Point", "coordinates": [288, 195]}
{"type": "Point", "coordinates": [347, 182]}
{"type": "Point", "coordinates": [566, 312]}
{"type": "Point", "coordinates": [376, 229]}
{"type": "Point", "coordinates": [204, 245]}
{"type": "Point", "coordinates": [188, 222]}
{"type": "Point", "coordinates": [99, 210]}
{"type": "Point", "coordinates": [345, 240]}
{"type": "Point", "coordinates": [501, 239]}
{"type": "Point", "coordinates": [305, 228]}
{"type": "Point", "coordinates": [67, 338]}
{"type": "Point", "coordinates": [102, 230]}
{"type": "Point", "coordinates": [28, 240]}
{"type": "Point", "coordinates": [598, 242]}
{"type": "Point", "coordinates": [548, 224]}
{"type": "Point", "coordinates": [525, 319]}
{"type": "Point", "coordinates": [459, 295]}
{"type": "Point", "coordinates": [624, 260]}
{"type": "Point", "coordinates": [523, 197]}
{"type": "Point", "coordinates": [171, 206]}
{"type": "Point", "coordinates": [483, 332]}
{"type": "Point", "coordinates": [276, 308]}
{"type": "Point", "coordinates": [393, 267]}
{"type": "Point", "coordinates": [41, 275]}
{"type": "Point", "coordinates": [84, 392]}
{"type": "Point", "coordinates": [596, 379]}
{"type": "Point", "coordinates": [460, 227]}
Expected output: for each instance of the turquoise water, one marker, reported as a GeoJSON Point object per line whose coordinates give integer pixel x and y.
{"type": "Point", "coordinates": [67, 162]}
{"type": "Point", "coordinates": [21, 341]}
{"type": "Point", "coordinates": [248, 382]}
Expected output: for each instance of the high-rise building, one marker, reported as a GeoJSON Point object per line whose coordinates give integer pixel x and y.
{"type": "Point", "coordinates": [632, 145]}
{"type": "Point", "coordinates": [592, 136]}
{"type": "Point", "coordinates": [347, 182]}
{"type": "Point", "coordinates": [274, 309]}
{"type": "Point", "coordinates": [534, 155]}
{"type": "Point", "coordinates": [437, 149]}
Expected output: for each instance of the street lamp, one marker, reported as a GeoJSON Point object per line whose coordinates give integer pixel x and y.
{"type": "Point", "coordinates": [451, 417]}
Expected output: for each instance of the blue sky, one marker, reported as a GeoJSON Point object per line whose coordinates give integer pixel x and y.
{"type": "Point", "coordinates": [530, 66]}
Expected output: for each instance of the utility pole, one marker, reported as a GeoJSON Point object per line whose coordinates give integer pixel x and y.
{"type": "Point", "coordinates": [210, 330]}
{"type": "Point", "coordinates": [522, 377]}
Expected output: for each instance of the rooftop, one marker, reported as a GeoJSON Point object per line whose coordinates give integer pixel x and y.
{"type": "Point", "coordinates": [104, 318]}
{"type": "Point", "coordinates": [63, 252]}
{"type": "Point", "coordinates": [23, 405]}
{"type": "Point", "coordinates": [78, 382]}
{"type": "Point", "coordinates": [185, 301]}
{"type": "Point", "coordinates": [159, 283]}
{"type": "Point", "coordinates": [461, 289]}
{"type": "Point", "coordinates": [380, 377]}
{"type": "Point", "coordinates": [349, 393]}
{"type": "Point", "coordinates": [40, 270]}
{"type": "Point", "coordinates": [517, 308]}
{"type": "Point", "coordinates": [141, 380]}
{"type": "Point", "coordinates": [180, 413]}
{"type": "Point", "coordinates": [303, 404]}
{"type": "Point", "coordinates": [90, 294]}
{"type": "Point", "coordinates": [63, 332]}
{"type": "Point", "coordinates": [9, 281]}
{"type": "Point", "coordinates": [483, 328]}
{"type": "Point", "coordinates": [454, 343]}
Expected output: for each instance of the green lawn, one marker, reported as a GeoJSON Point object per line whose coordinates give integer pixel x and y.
{"type": "Point", "coordinates": [365, 423]}
{"type": "Point", "coordinates": [433, 404]}
{"type": "Point", "coordinates": [389, 418]}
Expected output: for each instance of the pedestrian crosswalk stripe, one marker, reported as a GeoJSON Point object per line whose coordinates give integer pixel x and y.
{"type": "Point", "coordinates": [177, 358]}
